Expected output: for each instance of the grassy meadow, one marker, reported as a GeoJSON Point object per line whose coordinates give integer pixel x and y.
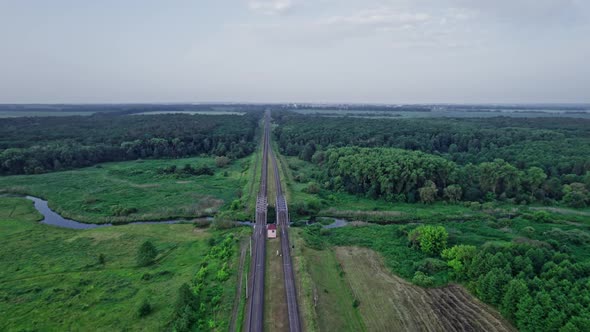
{"type": "Point", "coordinates": [52, 279]}
{"type": "Point", "coordinates": [97, 194]}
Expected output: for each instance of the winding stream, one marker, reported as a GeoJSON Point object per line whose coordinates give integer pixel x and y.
{"type": "Point", "coordinates": [50, 217]}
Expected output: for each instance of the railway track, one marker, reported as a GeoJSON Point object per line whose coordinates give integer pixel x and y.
{"type": "Point", "coordinates": [255, 304]}
{"type": "Point", "coordinates": [283, 223]}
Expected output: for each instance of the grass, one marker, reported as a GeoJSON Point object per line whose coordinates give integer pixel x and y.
{"type": "Point", "coordinates": [51, 278]}
{"type": "Point", "coordinates": [276, 317]}
{"type": "Point", "coordinates": [306, 291]}
{"type": "Point", "coordinates": [243, 298]}
{"type": "Point", "coordinates": [390, 241]}
{"type": "Point", "coordinates": [92, 194]}
{"type": "Point", "coordinates": [254, 175]}
{"type": "Point", "coordinates": [325, 298]}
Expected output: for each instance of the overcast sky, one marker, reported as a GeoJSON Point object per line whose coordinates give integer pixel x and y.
{"type": "Point", "coordinates": [397, 51]}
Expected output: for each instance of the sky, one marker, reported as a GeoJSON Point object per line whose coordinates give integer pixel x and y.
{"type": "Point", "coordinates": [319, 51]}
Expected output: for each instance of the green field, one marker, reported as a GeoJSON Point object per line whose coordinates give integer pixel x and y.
{"type": "Point", "coordinates": [51, 278]}
{"type": "Point", "coordinates": [98, 194]}
{"type": "Point", "coordinates": [325, 298]}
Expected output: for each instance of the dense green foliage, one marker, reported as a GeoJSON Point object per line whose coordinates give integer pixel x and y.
{"type": "Point", "coordinates": [558, 145]}
{"type": "Point", "coordinates": [430, 239]}
{"type": "Point", "coordinates": [539, 287]}
{"type": "Point", "coordinates": [411, 176]}
{"type": "Point", "coordinates": [39, 145]}
{"type": "Point", "coordinates": [198, 305]}
{"type": "Point", "coordinates": [523, 160]}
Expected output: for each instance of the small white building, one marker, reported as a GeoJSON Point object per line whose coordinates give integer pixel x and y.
{"type": "Point", "coordinates": [271, 231]}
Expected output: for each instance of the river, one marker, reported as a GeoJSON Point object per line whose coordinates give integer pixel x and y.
{"type": "Point", "coordinates": [50, 217]}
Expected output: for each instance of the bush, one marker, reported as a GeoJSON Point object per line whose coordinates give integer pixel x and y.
{"type": "Point", "coordinates": [539, 217]}
{"type": "Point", "coordinates": [144, 309]}
{"type": "Point", "coordinates": [421, 279]}
{"type": "Point", "coordinates": [431, 239]}
{"type": "Point", "coordinates": [236, 204]}
{"type": "Point", "coordinates": [146, 254]}
{"type": "Point", "coordinates": [312, 237]}
{"type": "Point", "coordinates": [222, 221]}
{"type": "Point", "coordinates": [221, 161]}
{"type": "Point", "coordinates": [430, 265]}
{"type": "Point", "coordinates": [312, 188]}
{"type": "Point", "coordinates": [121, 211]}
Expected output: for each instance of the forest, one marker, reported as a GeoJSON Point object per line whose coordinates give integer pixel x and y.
{"type": "Point", "coordinates": [34, 145]}
{"type": "Point", "coordinates": [518, 160]}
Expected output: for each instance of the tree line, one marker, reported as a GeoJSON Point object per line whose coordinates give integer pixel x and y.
{"type": "Point", "coordinates": [536, 285]}
{"type": "Point", "coordinates": [520, 160]}
{"type": "Point", "coordinates": [44, 144]}
{"type": "Point", "coordinates": [412, 176]}
{"type": "Point", "coordinates": [539, 288]}
{"type": "Point", "coordinates": [559, 146]}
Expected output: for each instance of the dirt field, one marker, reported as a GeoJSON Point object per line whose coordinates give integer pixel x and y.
{"type": "Point", "coordinates": [389, 303]}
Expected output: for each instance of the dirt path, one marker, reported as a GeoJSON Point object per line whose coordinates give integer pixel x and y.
{"type": "Point", "coordinates": [389, 303]}
{"type": "Point", "coordinates": [237, 300]}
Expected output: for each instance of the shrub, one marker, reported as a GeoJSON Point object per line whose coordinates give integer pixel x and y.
{"type": "Point", "coordinates": [430, 265]}
{"type": "Point", "coordinates": [431, 239]}
{"type": "Point", "coordinates": [236, 205]}
{"type": "Point", "coordinates": [121, 211]}
{"type": "Point", "coordinates": [144, 309]}
{"type": "Point", "coordinates": [146, 254]}
{"type": "Point", "coordinates": [202, 223]}
{"type": "Point", "coordinates": [221, 161]}
{"type": "Point", "coordinates": [222, 221]}
{"type": "Point", "coordinates": [421, 279]}
{"type": "Point", "coordinates": [312, 188]}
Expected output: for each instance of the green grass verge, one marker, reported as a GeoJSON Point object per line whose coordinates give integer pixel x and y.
{"type": "Point", "coordinates": [325, 295]}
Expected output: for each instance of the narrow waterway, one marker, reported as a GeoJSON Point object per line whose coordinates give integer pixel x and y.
{"type": "Point", "coordinates": [50, 217]}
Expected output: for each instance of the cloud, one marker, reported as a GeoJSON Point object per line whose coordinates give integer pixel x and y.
{"type": "Point", "coordinates": [271, 7]}
{"type": "Point", "coordinates": [382, 16]}
{"type": "Point", "coordinates": [530, 12]}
